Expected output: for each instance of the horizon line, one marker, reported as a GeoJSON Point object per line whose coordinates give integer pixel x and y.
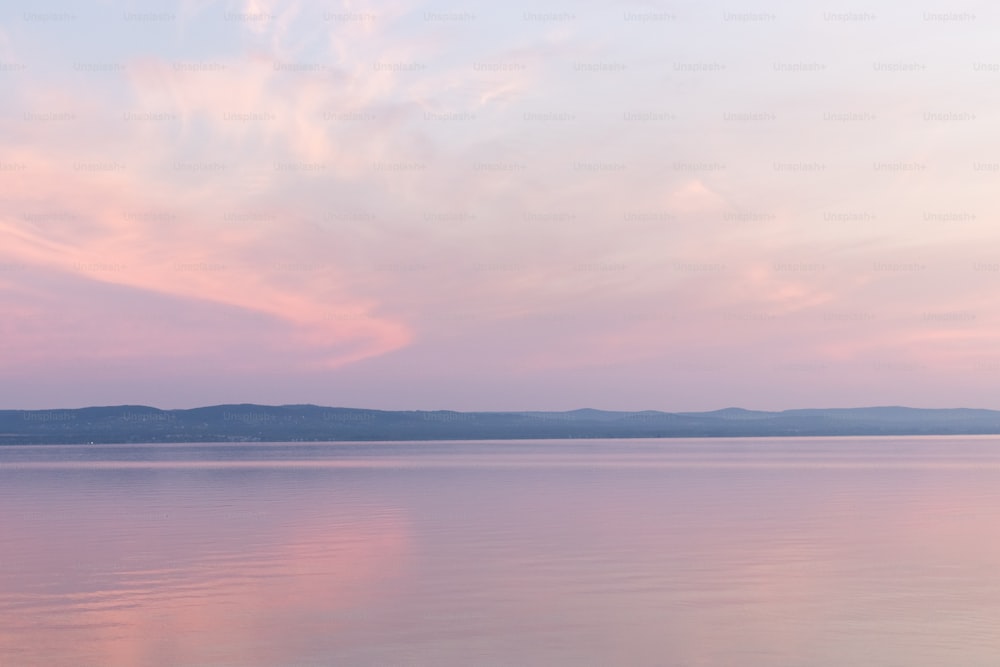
{"type": "Point", "coordinates": [535, 410]}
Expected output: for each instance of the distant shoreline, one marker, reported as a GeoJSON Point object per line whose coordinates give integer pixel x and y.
{"type": "Point", "coordinates": [310, 423]}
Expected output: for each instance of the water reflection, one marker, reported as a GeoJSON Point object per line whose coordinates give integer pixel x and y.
{"type": "Point", "coordinates": [796, 552]}
{"type": "Point", "coordinates": [148, 569]}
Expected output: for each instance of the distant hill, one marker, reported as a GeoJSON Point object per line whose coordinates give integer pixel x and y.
{"type": "Point", "coordinates": [247, 422]}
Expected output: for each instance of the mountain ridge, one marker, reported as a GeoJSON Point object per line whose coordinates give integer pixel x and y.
{"type": "Point", "coordinates": [251, 422]}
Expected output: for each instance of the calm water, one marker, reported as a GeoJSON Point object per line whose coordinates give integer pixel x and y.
{"type": "Point", "coordinates": [806, 552]}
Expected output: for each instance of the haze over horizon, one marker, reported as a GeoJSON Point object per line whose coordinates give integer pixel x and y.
{"type": "Point", "coordinates": [402, 205]}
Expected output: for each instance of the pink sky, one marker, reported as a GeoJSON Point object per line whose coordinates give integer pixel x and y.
{"type": "Point", "coordinates": [399, 205]}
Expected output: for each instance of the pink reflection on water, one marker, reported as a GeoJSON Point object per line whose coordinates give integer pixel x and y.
{"type": "Point", "coordinates": [139, 585]}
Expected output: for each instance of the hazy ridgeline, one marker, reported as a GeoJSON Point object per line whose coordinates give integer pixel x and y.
{"type": "Point", "coordinates": [224, 423]}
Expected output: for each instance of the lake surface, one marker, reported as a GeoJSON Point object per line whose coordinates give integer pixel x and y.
{"type": "Point", "coordinates": [753, 552]}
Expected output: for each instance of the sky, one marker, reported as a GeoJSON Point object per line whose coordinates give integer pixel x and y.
{"type": "Point", "coordinates": [499, 206]}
